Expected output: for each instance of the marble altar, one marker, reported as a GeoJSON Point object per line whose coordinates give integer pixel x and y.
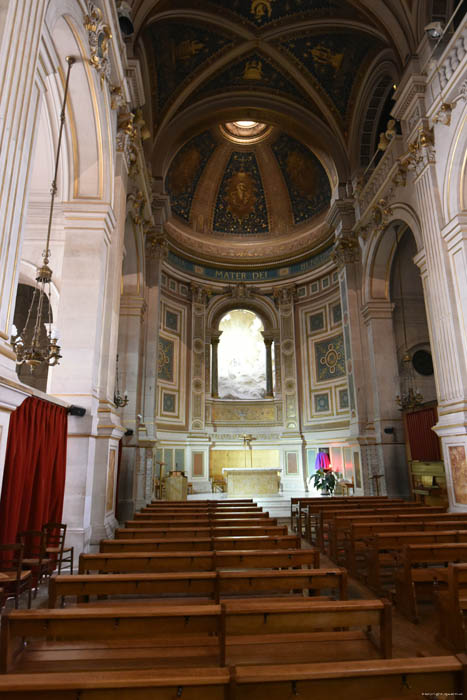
{"type": "Point", "coordinates": [251, 481]}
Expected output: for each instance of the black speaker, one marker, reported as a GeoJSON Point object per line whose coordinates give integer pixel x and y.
{"type": "Point", "coordinates": [76, 411]}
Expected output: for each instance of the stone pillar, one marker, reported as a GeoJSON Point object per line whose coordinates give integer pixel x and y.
{"type": "Point", "coordinates": [268, 340]}
{"type": "Point", "coordinates": [291, 439]}
{"type": "Point", "coordinates": [93, 440]}
{"type": "Point", "coordinates": [215, 337]}
{"type": "Point", "coordinates": [384, 375]}
{"type": "Point", "coordinates": [132, 309]}
{"type": "Point", "coordinates": [156, 252]}
{"type": "Point", "coordinates": [441, 280]}
{"type": "Point", "coordinates": [198, 340]}
{"type": "Point", "coordinates": [346, 254]}
{"type": "Point", "coordinates": [21, 23]}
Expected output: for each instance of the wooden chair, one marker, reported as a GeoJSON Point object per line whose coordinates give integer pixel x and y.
{"type": "Point", "coordinates": [14, 579]}
{"type": "Point", "coordinates": [55, 545]}
{"type": "Point", "coordinates": [34, 555]}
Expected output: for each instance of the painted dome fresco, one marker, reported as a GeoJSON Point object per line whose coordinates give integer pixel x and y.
{"type": "Point", "coordinates": [313, 82]}
{"type": "Point", "coordinates": [268, 186]}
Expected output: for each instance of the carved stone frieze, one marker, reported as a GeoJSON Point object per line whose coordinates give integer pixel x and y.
{"type": "Point", "coordinates": [453, 59]}
{"type": "Point", "coordinates": [421, 151]}
{"type": "Point", "coordinates": [99, 35]}
{"type": "Point", "coordinates": [200, 294]}
{"type": "Point", "coordinates": [346, 250]}
{"type": "Point", "coordinates": [285, 295]}
{"type": "Point", "coordinates": [156, 245]}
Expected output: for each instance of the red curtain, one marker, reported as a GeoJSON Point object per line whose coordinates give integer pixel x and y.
{"type": "Point", "coordinates": [424, 443]}
{"type": "Point", "coordinates": [35, 464]}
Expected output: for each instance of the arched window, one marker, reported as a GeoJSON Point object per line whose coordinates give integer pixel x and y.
{"type": "Point", "coordinates": [243, 362]}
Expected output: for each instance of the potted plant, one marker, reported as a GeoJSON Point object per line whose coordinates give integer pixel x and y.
{"type": "Point", "coordinates": [324, 480]}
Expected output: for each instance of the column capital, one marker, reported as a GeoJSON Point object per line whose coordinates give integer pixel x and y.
{"type": "Point", "coordinates": [341, 216]}
{"type": "Point", "coordinates": [284, 296]}
{"type": "Point", "coordinates": [200, 294]}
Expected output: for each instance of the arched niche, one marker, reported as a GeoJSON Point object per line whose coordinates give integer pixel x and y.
{"type": "Point", "coordinates": [243, 299]}
{"type": "Point", "coordinates": [379, 252]}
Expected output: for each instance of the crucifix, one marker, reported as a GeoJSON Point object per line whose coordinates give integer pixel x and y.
{"type": "Point", "coordinates": [247, 439]}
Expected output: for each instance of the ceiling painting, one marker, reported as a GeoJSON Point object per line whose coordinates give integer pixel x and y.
{"type": "Point", "coordinates": [252, 72]}
{"type": "Point", "coordinates": [335, 61]}
{"type": "Point", "coordinates": [306, 180]}
{"type": "Point", "coordinates": [180, 51]}
{"type": "Point", "coordinates": [261, 13]}
{"type": "Point", "coordinates": [241, 204]}
{"type": "Point", "coordinates": [185, 172]}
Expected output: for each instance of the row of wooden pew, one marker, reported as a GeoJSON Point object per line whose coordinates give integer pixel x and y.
{"type": "Point", "coordinates": [410, 552]}
{"type": "Point", "coordinates": [162, 615]}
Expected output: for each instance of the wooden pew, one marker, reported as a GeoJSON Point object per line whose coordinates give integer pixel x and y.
{"type": "Point", "coordinates": [172, 523]}
{"type": "Point", "coordinates": [334, 522]}
{"type": "Point", "coordinates": [420, 567]}
{"type": "Point", "coordinates": [201, 509]}
{"type": "Point", "coordinates": [374, 679]}
{"type": "Point", "coordinates": [153, 562]}
{"type": "Point", "coordinates": [116, 636]}
{"type": "Point", "coordinates": [357, 533]}
{"type": "Point", "coordinates": [161, 684]}
{"type": "Point", "coordinates": [168, 586]}
{"type": "Point", "coordinates": [195, 586]}
{"type": "Point", "coordinates": [247, 583]}
{"type": "Point", "coordinates": [297, 504]}
{"type": "Point", "coordinates": [214, 502]}
{"type": "Point", "coordinates": [270, 632]}
{"type": "Point", "coordinates": [209, 517]}
{"type": "Point", "coordinates": [380, 556]}
{"type": "Point", "coordinates": [182, 532]}
{"type": "Point", "coordinates": [451, 608]}
{"type": "Point", "coordinates": [200, 544]}
{"type": "Point", "coordinates": [316, 504]}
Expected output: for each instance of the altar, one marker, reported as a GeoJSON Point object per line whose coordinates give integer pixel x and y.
{"type": "Point", "coordinates": [251, 481]}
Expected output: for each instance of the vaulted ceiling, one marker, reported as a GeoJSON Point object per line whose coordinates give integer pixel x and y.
{"type": "Point", "coordinates": [320, 73]}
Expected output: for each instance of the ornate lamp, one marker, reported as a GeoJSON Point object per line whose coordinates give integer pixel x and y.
{"type": "Point", "coordinates": [119, 400]}
{"type": "Point", "coordinates": [29, 344]}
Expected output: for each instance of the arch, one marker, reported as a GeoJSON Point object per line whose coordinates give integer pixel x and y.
{"type": "Point", "coordinates": [295, 119]}
{"type": "Point", "coordinates": [454, 192]}
{"type": "Point", "coordinates": [380, 251]}
{"type": "Point", "coordinates": [261, 306]}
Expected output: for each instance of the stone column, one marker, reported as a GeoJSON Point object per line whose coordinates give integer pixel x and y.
{"type": "Point", "coordinates": [268, 340]}
{"type": "Point", "coordinates": [389, 448]}
{"type": "Point", "coordinates": [291, 439]}
{"type": "Point", "coordinates": [346, 254]}
{"type": "Point", "coordinates": [198, 340]}
{"type": "Point", "coordinates": [21, 23]}
{"type": "Point", "coordinates": [132, 309]}
{"type": "Point", "coordinates": [215, 337]}
{"type": "Point", "coordinates": [156, 252]}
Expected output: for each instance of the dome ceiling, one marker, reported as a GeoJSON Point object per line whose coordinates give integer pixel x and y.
{"type": "Point", "coordinates": [305, 68]}
{"type": "Point", "coordinates": [268, 188]}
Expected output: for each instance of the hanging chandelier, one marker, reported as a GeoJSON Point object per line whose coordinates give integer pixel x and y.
{"type": "Point", "coordinates": [119, 400]}
{"type": "Point", "coordinates": [31, 345]}
{"type": "Point", "coordinates": [409, 396]}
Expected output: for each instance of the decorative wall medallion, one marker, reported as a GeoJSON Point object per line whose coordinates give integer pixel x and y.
{"type": "Point", "coordinates": [168, 403]}
{"type": "Point", "coordinates": [289, 385]}
{"type": "Point", "coordinates": [165, 369]}
{"type": "Point", "coordinates": [287, 347]}
{"type": "Point", "coordinates": [198, 345]}
{"type": "Point", "coordinates": [98, 36]}
{"type": "Point", "coordinates": [197, 385]}
{"type": "Point", "coordinates": [321, 403]}
{"type": "Point", "coordinates": [343, 399]}
{"type": "Point", "coordinates": [329, 356]}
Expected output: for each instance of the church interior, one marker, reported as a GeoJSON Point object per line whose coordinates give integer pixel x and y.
{"type": "Point", "coordinates": [233, 333]}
